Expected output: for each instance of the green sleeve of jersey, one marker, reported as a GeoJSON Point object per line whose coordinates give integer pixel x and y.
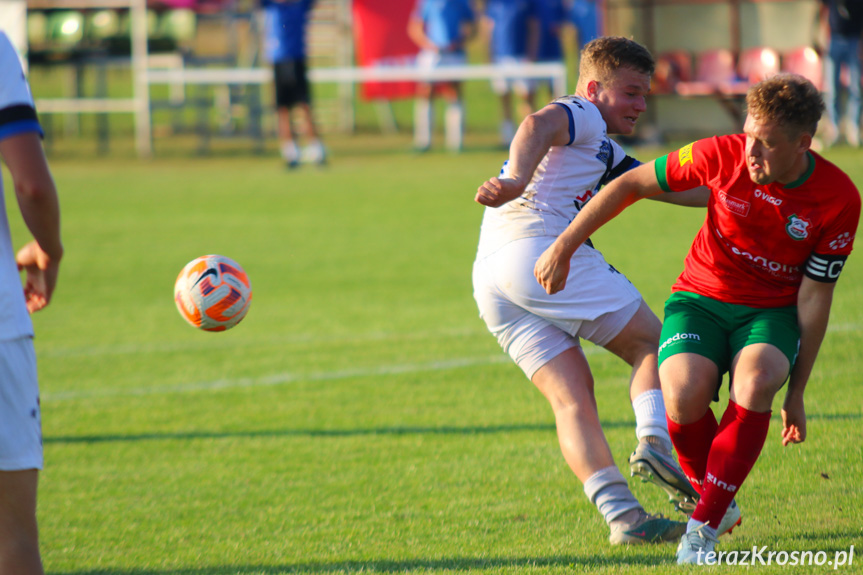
{"type": "Point", "coordinates": [659, 166]}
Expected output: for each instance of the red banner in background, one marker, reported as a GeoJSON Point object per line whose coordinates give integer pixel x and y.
{"type": "Point", "coordinates": [381, 39]}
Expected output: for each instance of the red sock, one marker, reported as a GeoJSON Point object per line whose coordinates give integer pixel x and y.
{"type": "Point", "coordinates": [692, 442]}
{"type": "Point", "coordinates": [735, 449]}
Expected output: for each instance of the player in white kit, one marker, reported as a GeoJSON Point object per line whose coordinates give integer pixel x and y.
{"type": "Point", "coordinates": [20, 425]}
{"type": "Point", "coordinates": [561, 156]}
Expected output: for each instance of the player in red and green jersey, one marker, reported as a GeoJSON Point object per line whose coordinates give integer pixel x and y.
{"type": "Point", "coordinates": [755, 294]}
{"type": "Point", "coordinates": [766, 236]}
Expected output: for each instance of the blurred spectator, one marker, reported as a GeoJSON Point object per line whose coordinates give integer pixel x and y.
{"type": "Point", "coordinates": [544, 36]}
{"type": "Point", "coordinates": [586, 16]}
{"type": "Point", "coordinates": [440, 28]}
{"type": "Point", "coordinates": [505, 25]}
{"type": "Point", "coordinates": [285, 47]}
{"type": "Point", "coordinates": [842, 24]}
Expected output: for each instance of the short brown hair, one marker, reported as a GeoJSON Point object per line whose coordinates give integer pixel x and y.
{"type": "Point", "coordinates": [602, 57]}
{"type": "Point", "coordinates": [789, 100]}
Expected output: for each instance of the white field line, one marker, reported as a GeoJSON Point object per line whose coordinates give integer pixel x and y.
{"type": "Point", "coordinates": [288, 377]}
{"type": "Point", "coordinates": [281, 379]}
{"type": "Point", "coordinates": [220, 341]}
{"type": "Point", "coordinates": [301, 339]}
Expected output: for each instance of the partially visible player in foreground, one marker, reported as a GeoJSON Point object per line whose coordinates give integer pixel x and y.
{"type": "Point", "coordinates": [560, 157]}
{"type": "Point", "coordinates": [20, 427]}
{"type": "Point", "coordinates": [756, 289]}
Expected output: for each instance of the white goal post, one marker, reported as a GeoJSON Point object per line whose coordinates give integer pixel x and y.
{"type": "Point", "coordinates": [180, 76]}
{"type": "Point", "coordinates": [139, 103]}
{"type": "Point", "coordinates": [555, 72]}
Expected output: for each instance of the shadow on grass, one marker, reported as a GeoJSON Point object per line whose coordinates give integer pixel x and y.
{"type": "Point", "coordinates": [393, 431]}
{"type": "Point", "coordinates": [401, 566]}
{"type": "Point", "coordinates": [383, 431]}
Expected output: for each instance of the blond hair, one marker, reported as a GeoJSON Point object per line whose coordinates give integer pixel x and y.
{"type": "Point", "coordinates": [603, 57]}
{"type": "Point", "coordinates": [788, 100]}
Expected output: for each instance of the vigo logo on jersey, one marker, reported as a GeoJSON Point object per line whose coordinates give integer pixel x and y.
{"type": "Point", "coordinates": [797, 227]}
{"type": "Point", "coordinates": [768, 198]}
{"type": "Point", "coordinates": [735, 205]}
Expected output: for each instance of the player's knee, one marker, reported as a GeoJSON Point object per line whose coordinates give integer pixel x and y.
{"type": "Point", "coordinates": [685, 404]}
{"type": "Point", "coordinates": [757, 389]}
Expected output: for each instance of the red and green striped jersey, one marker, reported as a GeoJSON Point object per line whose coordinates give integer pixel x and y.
{"type": "Point", "coordinates": [758, 241]}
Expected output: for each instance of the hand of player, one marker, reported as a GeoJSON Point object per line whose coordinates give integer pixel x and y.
{"type": "Point", "coordinates": [41, 275]}
{"type": "Point", "coordinates": [551, 270]}
{"type": "Point", "coordinates": [793, 421]}
{"type": "Point", "coordinates": [498, 191]}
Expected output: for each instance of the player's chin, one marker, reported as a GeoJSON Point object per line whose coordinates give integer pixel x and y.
{"type": "Point", "coordinates": [759, 177]}
{"type": "Point", "coordinates": [626, 126]}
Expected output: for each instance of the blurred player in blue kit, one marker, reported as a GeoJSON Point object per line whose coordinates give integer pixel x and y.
{"type": "Point", "coordinates": [20, 420]}
{"type": "Point", "coordinates": [505, 26]}
{"type": "Point", "coordinates": [440, 28]}
{"type": "Point", "coordinates": [543, 33]}
{"type": "Point", "coordinates": [285, 23]}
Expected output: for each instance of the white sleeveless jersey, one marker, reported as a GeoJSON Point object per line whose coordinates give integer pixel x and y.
{"type": "Point", "coordinates": [566, 178]}
{"type": "Point", "coordinates": [17, 116]}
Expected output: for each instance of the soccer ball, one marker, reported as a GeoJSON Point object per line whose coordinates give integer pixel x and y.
{"type": "Point", "coordinates": [213, 293]}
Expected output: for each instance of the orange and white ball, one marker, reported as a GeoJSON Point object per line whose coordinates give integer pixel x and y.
{"type": "Point", "coordinates": [213, 293]}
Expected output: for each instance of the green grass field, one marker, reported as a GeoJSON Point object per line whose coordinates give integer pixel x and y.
{"type": "Point", "coordinates": [360, 419]}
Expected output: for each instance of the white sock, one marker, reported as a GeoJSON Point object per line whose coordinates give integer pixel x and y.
{"type": "Point", "coordinates": [290, 152]}
{"type": "Point", "coordinates": [692, 525]}
{"type": "Point", "coordinates": [422, 123]}
{"type": "Point", "coordinates": [608, 490]}
{"type": "Point", "coordinates": [454, 126]}
{"type": "Point", "coordinates": [315, 151]}
{"type": "Point", "coordinates": [507, 132]}
{"type": "Point", "coordinates": [650, 419]}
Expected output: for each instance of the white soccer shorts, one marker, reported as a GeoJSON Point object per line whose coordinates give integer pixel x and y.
{"type": "Point", "coordinates": [20, 414]}
{"type": "Point", "coordinates": [534, 327]}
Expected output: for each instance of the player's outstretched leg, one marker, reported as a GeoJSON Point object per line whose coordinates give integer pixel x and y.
{"type": "Point", "coordinates": [568, 385]}
{"type": "Point", "coordinates": [653, 462]}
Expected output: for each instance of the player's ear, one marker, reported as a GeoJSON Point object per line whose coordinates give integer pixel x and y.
{"type": "Point", "coordinates": [593, 87]}
{"type": "Point", "coordinates": [805, 141]}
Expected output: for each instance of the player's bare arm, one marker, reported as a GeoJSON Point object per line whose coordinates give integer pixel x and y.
{"type": "Point", "coordinates": [694, 198]}
{"type": "Point", "coordinates": [416, 32]}
{"type": "Point", "coordinates": [40, 208]}
{"type": "Point", "coordinates": [813, 311]}
{"type": "Point", "coordinates": [536, 134]}
{"type": "Point", "coordinates": [552, 268]}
